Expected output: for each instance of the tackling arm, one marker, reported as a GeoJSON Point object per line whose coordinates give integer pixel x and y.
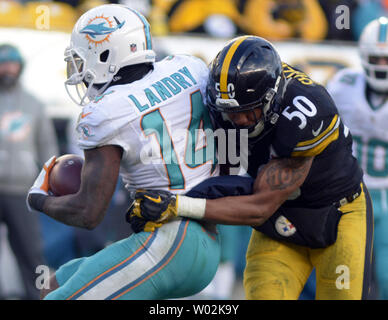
{"type": "Point", "coordinates": [277, 180]}
{"type": "Point", "coordinates": [99, 175]}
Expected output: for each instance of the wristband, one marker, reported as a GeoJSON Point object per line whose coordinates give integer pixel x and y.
{"type": "Point", "coordinates": [36, 201]}
{"type": "Point", "coordinates": [191, 207]}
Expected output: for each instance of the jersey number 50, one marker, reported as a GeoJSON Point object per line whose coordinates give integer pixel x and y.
{"type": "Point", "coordinates": [305, 107]}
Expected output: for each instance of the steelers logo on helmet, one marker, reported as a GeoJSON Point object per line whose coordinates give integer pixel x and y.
{"type": "Point", "coordinates": [245, 75]}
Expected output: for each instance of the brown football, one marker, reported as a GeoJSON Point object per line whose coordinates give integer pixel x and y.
{"type": "Point", "coordinates": [65, 176]}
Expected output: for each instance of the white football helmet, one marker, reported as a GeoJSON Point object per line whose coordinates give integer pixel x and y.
{"type": "Point", "coordinates": [104, 40]}
{"type": "Point", "coordinates": [373, 43]}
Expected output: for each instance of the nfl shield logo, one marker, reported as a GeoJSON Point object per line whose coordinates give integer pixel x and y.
{"type": "Point", "coordinates": [133, 47]}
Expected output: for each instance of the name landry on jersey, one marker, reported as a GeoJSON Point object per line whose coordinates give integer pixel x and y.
{"type": "Point", "coordinates": [165, 89]}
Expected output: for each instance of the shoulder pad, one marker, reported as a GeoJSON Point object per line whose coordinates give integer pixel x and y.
{"type": "Point", "coordinates": [291, 73]}
{"type": "Point", "coordinates": [101, 120]}
{"type": "Point", "coordinates": [189, 60]}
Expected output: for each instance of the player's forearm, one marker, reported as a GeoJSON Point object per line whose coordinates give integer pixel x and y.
{"type": "Point", "coordinates": [71, 210]}
{"type": "Point", "coordinates": [237, 210]}
{"type": "Point", "coordinates": [240, 210]}
{"type": "Point", "coordinates": [276, 182]}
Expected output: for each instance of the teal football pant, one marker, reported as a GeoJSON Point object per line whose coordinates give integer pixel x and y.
{"type": "Point", "coordinates": [177, 260]}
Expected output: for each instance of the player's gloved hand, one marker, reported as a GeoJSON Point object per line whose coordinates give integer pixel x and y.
{"type": "Point", "coordinates": [140, 224]}
{"type": "Point", "coordinates": [151, 209]}
{"type": "Point", "coordinates": [40, 186]}
{"type": "Point", "coordinates": [156, 207]}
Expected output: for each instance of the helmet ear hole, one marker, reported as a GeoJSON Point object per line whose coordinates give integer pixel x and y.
{"type": "Point", "coordinates": [104, 56]}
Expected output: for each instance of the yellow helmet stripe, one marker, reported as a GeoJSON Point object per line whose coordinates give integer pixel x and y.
{"type": "Point", "coordinates": [226, 65]}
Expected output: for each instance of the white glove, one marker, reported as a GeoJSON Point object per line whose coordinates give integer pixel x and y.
{"type": "Point", "coordinates": [41, 184]}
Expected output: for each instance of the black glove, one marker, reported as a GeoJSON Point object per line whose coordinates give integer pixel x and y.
{"type": "Point", "coordinates": [151, 209]}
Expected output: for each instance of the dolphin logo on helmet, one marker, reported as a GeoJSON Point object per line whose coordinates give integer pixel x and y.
{"type": "Point", "coordinates": [100, 29]}
{"type": "Point", "coordinates": [92, 68]}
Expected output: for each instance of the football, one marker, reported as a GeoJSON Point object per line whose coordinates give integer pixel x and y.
{"type": "Point", "coordinates": [65, 176]}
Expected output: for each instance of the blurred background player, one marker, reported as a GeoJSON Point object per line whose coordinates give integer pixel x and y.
{"type": "Point", "coordinates": [27, 138]}
{"type": "Point", "coordinates": [362, 100]}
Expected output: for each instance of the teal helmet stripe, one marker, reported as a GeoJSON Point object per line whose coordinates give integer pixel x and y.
{"type": "Point", "coordinates": [383, 31]}
{"type": "Point", "coordinates": [146, 29]}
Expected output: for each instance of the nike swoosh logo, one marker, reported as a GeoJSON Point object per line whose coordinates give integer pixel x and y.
{"type": "Point", "coordinates": [316, 132]}
{"type": "Point", "coordinates": [157, 200]}
{"type": "Point", "coordinates": [85, 115]}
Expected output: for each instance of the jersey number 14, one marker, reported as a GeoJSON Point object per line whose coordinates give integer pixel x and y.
{"type": "Point", "coordinates": [154, 123]}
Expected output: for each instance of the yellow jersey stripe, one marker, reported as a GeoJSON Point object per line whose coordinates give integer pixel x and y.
{"type": "Point", "coordinates": [319, 137]}
{"type": "Point", "coordinates": [318, 147]}
{"type": "Point", "coordinates": [226, 65]}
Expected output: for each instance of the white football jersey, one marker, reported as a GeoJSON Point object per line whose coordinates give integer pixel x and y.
{"type": "Point", "coordinates": [160, 122]}
{"type": "Point", "coordinates": [367, 124]}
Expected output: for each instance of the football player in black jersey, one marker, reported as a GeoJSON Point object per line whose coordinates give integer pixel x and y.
{"type": "Point", "coordinates": [309, 206]}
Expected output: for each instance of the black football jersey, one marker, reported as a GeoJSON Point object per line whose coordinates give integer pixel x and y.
{"type": "Point", "coordinates": [309, 125]}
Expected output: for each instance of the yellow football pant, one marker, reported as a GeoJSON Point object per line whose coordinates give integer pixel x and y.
{"type": "Point", "coordinates": [279, 270]}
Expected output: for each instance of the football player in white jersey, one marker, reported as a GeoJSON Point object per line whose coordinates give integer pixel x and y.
{"type": "Point", "coordinates": [144, 118]}
{"type": "Point", "coordinates": [362, 100]}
